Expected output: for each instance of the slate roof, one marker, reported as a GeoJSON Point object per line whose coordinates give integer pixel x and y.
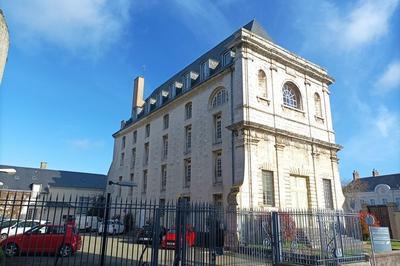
{"type": "Point", "coordinates": [25, 177]}
{"type": "Point", "coordinates": [214, 53]}
{"type": "Point", "coordinates": [257, 29]}
{"type": "Point", "coordinates": [368, 184]}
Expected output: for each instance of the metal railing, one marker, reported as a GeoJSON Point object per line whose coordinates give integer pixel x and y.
{"type": "Point", "coordinates": [142, 232]}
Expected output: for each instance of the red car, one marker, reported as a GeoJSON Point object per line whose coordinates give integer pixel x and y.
{"type": "Point", "coordinates": [168, 241]}
{"type": "Point", "coordinates": [63, 240]}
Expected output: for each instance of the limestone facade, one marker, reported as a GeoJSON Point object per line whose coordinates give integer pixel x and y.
{"type": "Point", "coordinates": [4, 44]}
{"type": "Point", "coordinates": [269, 154]}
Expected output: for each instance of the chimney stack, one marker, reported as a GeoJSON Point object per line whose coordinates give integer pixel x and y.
{"type": "Point", "coordinates": [375, 172]}
{"type": "Point", "coordinates": [138, 91]}
{"type": "Point", "coordinates": [356, 175]}
{"type": "Point", "coordinates": [43, 165]}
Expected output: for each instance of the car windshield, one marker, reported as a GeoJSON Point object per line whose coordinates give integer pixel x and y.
{"type": "Point", "coordinates": [8, 223]}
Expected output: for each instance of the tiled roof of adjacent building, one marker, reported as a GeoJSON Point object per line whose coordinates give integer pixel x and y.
{"type": "Point", "coordinates": [25, 177]}
{"type": "Point", "coordinates": [368, 184]}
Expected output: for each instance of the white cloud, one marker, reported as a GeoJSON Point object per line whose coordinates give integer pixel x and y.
{"type": "Point", "coordinates": [72, 24]}
{"type": "Point", "coordinates": [325, 24]}
{"type": "Point", "coordinates": [84, 144]}
{"type": "Point", "coordinates": [388, 123]}
{"type": "Point", "coordinates": [390, 79]}
{"type": "Point", "coordinates": [365, 23]}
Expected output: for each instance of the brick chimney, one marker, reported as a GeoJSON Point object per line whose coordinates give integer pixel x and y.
{"type": "Point", "coordinates": [375, 172]}
{"type": "Point", "coordinates": [356, 175]}
{"type": "Point", "coordinates": [43, 165]}
{"type": "Point", "coordinates": [137, 99]}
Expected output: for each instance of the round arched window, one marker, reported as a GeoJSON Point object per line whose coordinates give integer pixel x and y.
{"type": "Point", "coordinates": [291, 95]}
{"type": "Point", "coordinates": [219, 97]}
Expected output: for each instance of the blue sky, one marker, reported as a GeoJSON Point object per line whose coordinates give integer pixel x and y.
{"type": "Point", "coordinates": [69, 76]}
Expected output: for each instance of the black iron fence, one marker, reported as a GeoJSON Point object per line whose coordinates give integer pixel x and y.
{"type": "Point", "coordinates": [66, 231]}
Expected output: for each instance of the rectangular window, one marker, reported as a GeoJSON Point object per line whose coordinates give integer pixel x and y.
{"type": "Point", "coordinates": [163, 177]}
{"type": "Point", "coordinates": [188, 111]}
{"type": "Point", "coordinates": [162, 207]}
{"type": "Point", "coordinates": [188, 172]}
{"type": "Point", "coordinates": [133, 159]}
{"type": "Point", "coordinates": [119, 187]}
{"type": "Point", "coordinates": [268, 191]}
{"type": "Point", "coordinates": [166, 121]}
{"type": "Point", "coordinates": [146, 154]}
{"type": "Point", "coordinates": [144, 184]}
{"type": "Point", "coordinates": [165, 148]}
{"type": "Point", "coordinates": [134, 137]}
{"type": "Point", "coordinates": [384, 201]}
{"type": "Point", "coordinates": [188, 138]}
{"type": "Point", "coordinates": [372, 202]}
{"type": "Point", "coordinates": [84, 203]}
{"type": "Point", "coordinates": [218, 167]}
{"type": "Point", "coordinates": [327, 186]}
{"type": "Point", "coordinates": [147, 130]}
{"type": "Point", "coordinates": [217, 128]}
{"type": "Point", "coordinates": [398, 203]}
{"type": "Point", "coordinates": [123, 142]}
{"type": "Point", "coordinates": [131, 188]}
{"type": "Point", "coordinates": [204, 70]}
{"type": "Point", "coordinates": [121, 163]}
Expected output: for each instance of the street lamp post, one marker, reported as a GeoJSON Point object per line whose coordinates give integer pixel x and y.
{"type": "Point", "coordinates": [107, 216]}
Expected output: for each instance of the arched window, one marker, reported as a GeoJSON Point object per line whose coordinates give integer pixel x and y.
{"type": "Point", "coordinates": [188, 110]}
{"type": "Point", "coordinates": [318, 107]}
{"type": "Point", "coordinates": [291, 95]}
{"type": "Point", "coordinates": [262, 83]}
{"type": "Point", "coordinates": [219, 97]}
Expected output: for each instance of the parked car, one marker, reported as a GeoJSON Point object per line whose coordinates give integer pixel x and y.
{"type": "Point", "coordinates": [168, 241]}
{"type": "Point", "coordinates": [88, 223]}
{"type": "Point", "coordinates": [114, 227]}
{"type": "Point", "coordinates": [20, 227]}
{"type": "Point", "coordinates": [7, 223]}
{"type": "Point", "coordinates": [44, 239]}
{"type": "Point", "coordinates": [145, 234]}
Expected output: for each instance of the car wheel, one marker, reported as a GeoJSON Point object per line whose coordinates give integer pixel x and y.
{"type": "Point", "coordinates": [65, 251]}
{"type": "Point", "coordinates": [3, 236]}
{"type": "Point", "coordinates": [11, 250]}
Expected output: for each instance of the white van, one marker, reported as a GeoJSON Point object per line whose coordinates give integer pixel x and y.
{"type": "Point", "coordinates": [87, 223]}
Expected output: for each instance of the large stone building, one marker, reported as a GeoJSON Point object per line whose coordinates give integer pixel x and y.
{"type": "Point", "coordinates": [248, 123]}
{"type": "Point", "coordinates": [4, 43]}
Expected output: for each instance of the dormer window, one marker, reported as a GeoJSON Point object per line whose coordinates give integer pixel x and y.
{"type": "Point", "coordinates": [228, 57]}
{"type": "Point", "coordinates": [204, 70]}
{"type": "Point", "coordinates": [152, 103]}
{"type": "Point", "coordinates": [207, 67]}
{"type": "Point", "coordinates": [164, 96]}
{"type": "Point", "coordinates": [178, 87]}
{"type": "Point", "coordinates": [188, 79]}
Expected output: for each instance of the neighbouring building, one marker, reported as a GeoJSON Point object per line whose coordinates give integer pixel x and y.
{"type": "Point", "coordinates": [372, 190]}
{"type": "Point", "coordinates": [248, 123]}
{"type": "Point", "coordinates": [4, 43]}
{"type": "Point", "coordinates": [47, 190]}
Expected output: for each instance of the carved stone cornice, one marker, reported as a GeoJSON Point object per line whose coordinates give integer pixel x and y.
{"type": "Point", "coordinates": [284, 133]}
{"type": "Point", "coordinates": [282, 56]}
